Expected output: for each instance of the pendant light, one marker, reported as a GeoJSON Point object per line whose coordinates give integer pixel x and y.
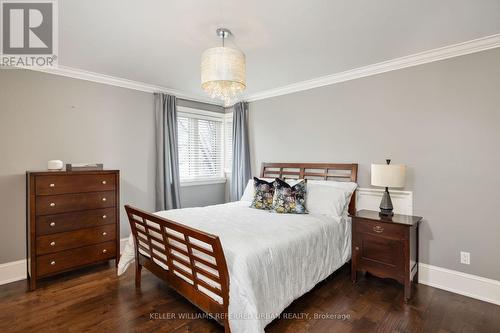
{"type": "Point", "coordinates": [223, 71]}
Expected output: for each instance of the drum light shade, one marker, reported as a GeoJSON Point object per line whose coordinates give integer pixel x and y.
{"type": "Point", "coordinates": [388, 175]}
{"type": "Point", "coordinates": [223, 72]}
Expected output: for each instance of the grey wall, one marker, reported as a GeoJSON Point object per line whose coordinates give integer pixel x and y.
{"type": "Point", "coordinates": [45, 117]}
{"type": "Point", "coordinates": [441, 119]}
{"type": "Point", "coordinates": [203, 195]}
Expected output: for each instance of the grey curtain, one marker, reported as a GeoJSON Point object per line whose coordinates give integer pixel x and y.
{"type": "Point", "coordinates": [241, 172]}
{"type": "Point", "coordinates": [167, 154]}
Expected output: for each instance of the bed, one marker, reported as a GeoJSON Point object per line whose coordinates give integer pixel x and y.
{"type": "Point", "coordinates": [243, 266]}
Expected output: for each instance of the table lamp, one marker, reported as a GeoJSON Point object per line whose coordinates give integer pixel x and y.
{"type": "Point", "coordinates": [388, 175]}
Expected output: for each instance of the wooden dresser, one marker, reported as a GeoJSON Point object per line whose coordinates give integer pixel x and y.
{"type": "Point", "coordinates": [386, 247]}
{"type": "Point", "coordinates": [72, 220]}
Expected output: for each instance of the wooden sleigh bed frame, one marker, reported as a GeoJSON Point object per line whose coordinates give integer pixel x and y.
{"type": "Point", "coordinates": [192, 261]}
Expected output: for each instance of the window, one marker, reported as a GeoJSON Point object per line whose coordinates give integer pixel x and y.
{"type": "Point", "coordinates": [201, 145]}
{"type": "Point", "coordinates": [228, 139]}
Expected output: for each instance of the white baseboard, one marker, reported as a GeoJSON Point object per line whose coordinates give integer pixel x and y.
{"type": "Point", "coordinates": [469, 285]}
{"type": "Point", "coordinates": [12, 271]}
{"type": "Point", "coordinates": [16, 270]}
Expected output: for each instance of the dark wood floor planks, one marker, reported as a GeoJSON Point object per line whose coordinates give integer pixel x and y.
{"type": "Point", "coordinates": [95, 300]}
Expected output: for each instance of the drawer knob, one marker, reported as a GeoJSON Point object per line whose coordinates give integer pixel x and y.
{"type": "Point", "coordinates": [104, 251]}
{"type": "Point", "coordinates": [104, 199]}
{"type": "Point", "coordinates": [103, 182]}
{"type": "Point", "coordinates": [104, 233]}
{"type": "Point", "coordinates": [378, 229]}
{"type": "Point", "coordinates": [52, 224]}
{"type": "Point", "coordinates": [52, 185]}
{"type": "Point", "coordinates": [52, 262]}
{"type": "Point", "coordinates": [52, 204]}
{"type": "Point", "coordinates": [104, 216]}
{"type": "Point", "coordinates": [357, 248]}
{"type": "Point", "coordinates": [52, 243]}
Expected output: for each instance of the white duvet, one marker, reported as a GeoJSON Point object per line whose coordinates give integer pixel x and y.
{"type": "Point", "coordinates": [272, 258]}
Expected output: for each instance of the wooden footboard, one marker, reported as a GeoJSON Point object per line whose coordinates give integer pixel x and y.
{"type": "Point", "coordinates": [189, 260]}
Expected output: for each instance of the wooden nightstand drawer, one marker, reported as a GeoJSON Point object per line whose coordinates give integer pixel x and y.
{"type": "Point", "coordinates": [381, 229]}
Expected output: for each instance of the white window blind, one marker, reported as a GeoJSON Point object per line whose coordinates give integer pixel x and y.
{"type": "Point", "coordinates": [228, 142]}
{"type": "Point", "coordinates": [201, 154]}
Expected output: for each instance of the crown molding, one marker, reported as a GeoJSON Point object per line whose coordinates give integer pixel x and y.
{"type": "Point", "coordinates": [120, 82]}
{"type": "Point", "coordinates": [446, 52]}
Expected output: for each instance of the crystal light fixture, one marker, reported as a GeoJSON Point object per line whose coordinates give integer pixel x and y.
{"type": "Point", "coordinates": [223, 71]}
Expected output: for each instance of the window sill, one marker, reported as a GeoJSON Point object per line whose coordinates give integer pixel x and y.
{"type": "Point", "coordinates": [210, 181]}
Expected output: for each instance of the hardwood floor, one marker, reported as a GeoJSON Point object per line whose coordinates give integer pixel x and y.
{"type": "Point", "coordinates": [95, 300]}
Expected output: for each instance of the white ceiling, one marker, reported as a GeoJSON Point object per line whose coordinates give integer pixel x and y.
{"type": "Point", "coordinates": [286, 41]}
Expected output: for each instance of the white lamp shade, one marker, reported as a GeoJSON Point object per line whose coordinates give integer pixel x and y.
{"type": "Point", "coordinates": [223, 64]}
{"type": "Point", "coordinates": [388, 175]}
{"type": "Point", "coordinates": [223, 73]}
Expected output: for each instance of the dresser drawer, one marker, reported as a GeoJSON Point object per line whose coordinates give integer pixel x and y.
{"type": "Point", "coordinates": [65, 260]}
{"type": "Point", "coordinates": [51, 224]}
{"type": "Point", "coordinates": [387, 230]}
{"type": "Point", "coordinates": [72, 239]}
{"type": "Point", "coordinates": [53, 204]}
{"type": "Point", "coordinates": [63, 184]}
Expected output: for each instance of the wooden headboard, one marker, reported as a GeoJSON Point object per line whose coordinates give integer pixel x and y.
{"type": "Point", "coordinates": [318, 171]}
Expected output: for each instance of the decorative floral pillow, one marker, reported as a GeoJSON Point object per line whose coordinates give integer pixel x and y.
{"type": "Point", "coordinates": [263, 194]}
{"type": "Point", "coordinates": [289, 199]}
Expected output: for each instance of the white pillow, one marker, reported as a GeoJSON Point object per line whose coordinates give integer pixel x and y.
{"type": "Point", "coordinates": [329, 197]}
{"type": "Point", "coordinates": [249, 190]}
{"type": "Point", "coordinates": [325, 200]}
{"type": "Point", "coordinates": [348, 187]}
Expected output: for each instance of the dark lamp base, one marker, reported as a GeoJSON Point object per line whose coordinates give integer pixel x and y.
{"type": "Point", "coordinates": [386, 204]}
{"type": "Point", "coordinates": [386, 213]}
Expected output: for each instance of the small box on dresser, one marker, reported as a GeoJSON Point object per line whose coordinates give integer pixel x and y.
{"type": "Point", "coordinates": [72, 220]}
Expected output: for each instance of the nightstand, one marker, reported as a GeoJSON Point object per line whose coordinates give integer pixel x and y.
{"type": "Point", "coordinates": [386, 247]}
